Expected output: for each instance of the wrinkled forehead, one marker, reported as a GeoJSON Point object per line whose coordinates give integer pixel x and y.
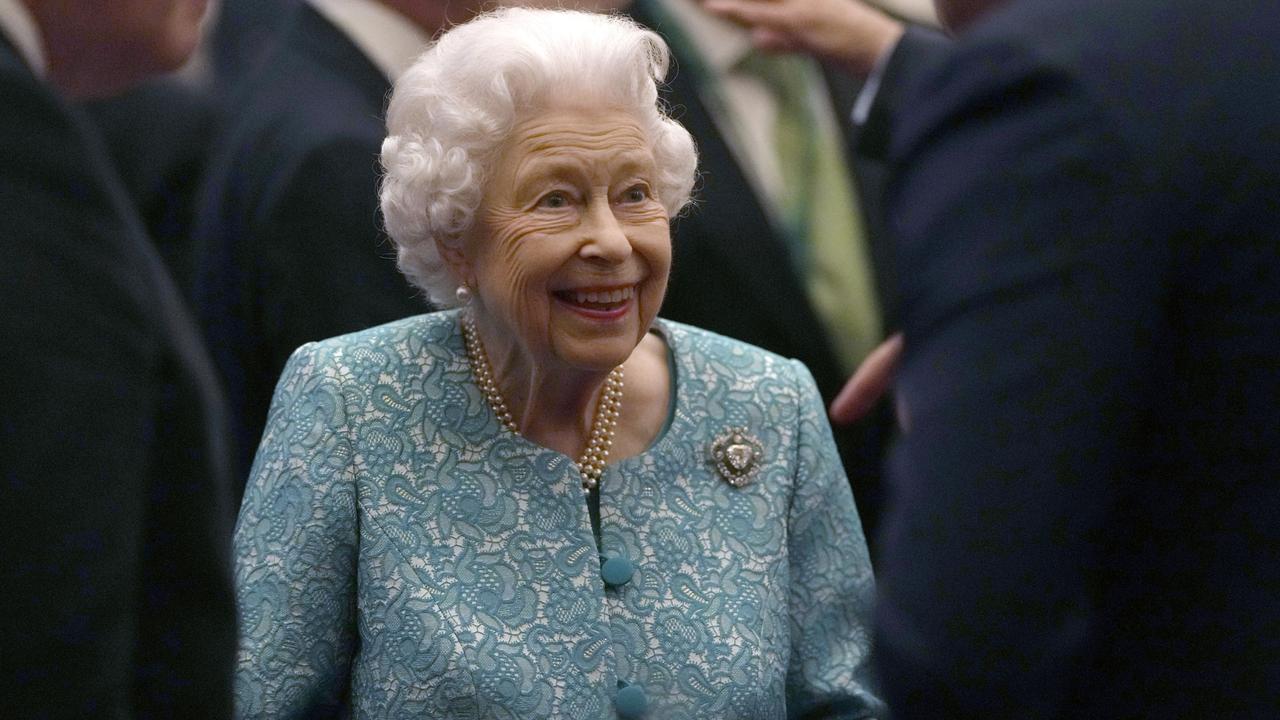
{"type": "Point", "coordinates": [547, 132]}
{"type": "Point", "coordinates": [600, 136]}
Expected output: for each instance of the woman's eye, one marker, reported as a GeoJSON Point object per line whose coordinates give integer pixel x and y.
{"type": "Point", "coordinates": [635, 194]}
{"type": "Point", "coordinates": [554, 199]}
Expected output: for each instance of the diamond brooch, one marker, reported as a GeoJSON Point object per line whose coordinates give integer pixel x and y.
{"type": "Point", "coordinates": [736, 455]}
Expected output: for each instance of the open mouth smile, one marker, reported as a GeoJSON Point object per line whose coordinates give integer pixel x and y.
{"type": "Point", "coordinates": [598, 303]}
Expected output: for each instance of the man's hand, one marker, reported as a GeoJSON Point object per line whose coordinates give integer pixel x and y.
{"type": "Point", "coordinates": [845, 31]}
{"type": "Point", "coordinates": [869, 383]}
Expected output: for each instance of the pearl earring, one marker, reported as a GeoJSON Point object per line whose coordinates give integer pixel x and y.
{"type": "Point", "coordinates": [463, 294]}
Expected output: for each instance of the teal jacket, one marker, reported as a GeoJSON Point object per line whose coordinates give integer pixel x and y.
{"type": "Point", "coordinates": [401, 554]}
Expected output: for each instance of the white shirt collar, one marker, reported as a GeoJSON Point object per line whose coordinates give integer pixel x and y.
{"type": "Point", "coordinates": [871, 87]}
{"type": "Point", "coordinates": [20, 27]}
{"type": "Point", "coordinates": [390, 40]}
{"type": "Point", "coordinates": [720, 43]}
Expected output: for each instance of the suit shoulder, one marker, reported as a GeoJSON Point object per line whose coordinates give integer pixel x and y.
{"type": "Point", "coordinates": [288, 144]}
{"type": "Point", "coordinates": [299, 103]}
{"type": "Point", "coordinates": [292, 124]}
{"type": "Point", "coordinates": [37, 129]}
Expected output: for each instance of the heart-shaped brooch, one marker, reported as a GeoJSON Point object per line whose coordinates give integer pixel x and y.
{"type": "Point", "coordinates": [736, 455]}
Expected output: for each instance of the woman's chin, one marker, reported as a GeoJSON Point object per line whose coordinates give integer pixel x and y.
{"type": "Point", "coordinates": [608, 346]}
{"type": "Point", "coordinates": [598, 357]}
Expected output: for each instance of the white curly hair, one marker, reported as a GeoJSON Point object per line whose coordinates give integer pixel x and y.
{"type": "Point", "coordinates": [451, 111]}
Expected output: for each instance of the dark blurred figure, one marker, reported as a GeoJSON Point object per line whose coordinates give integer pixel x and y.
{"type": "Point", "coordinates": [290, 244]}
{"type": "Point", "coordinates": [1085, 518]}
{"type": "Point", "coordinates": [117, 514]}
{"type": "Point", "coordinates": [887, 54]}
{"type": "Point", "coordinates": [749, 263]}
{"type": "Point", "coordinates": [244, 33]}
{"type": "Point", "coordinates": [160, 133]}
{"type": "Point", "coordinates": [158, 136]}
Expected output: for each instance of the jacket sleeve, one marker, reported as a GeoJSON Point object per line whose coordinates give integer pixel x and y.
{"type": "Point", "coordinates": [295, 549]}
{"type": "Point", "coordinates": [832, 587]}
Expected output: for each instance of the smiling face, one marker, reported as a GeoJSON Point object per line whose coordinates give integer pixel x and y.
{"type": "Point", "coordinates": [570, 249]}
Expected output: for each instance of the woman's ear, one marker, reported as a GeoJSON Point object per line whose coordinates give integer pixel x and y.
{"type": "Point", "coordinates": [456, 259]}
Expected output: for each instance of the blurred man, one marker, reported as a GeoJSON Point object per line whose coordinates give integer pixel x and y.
{"type": "Point", "coordinates": [886, 54]}
{"type": "Point", "coordinates": [1087, 511]}
{"type": "Point", "coordinates": [289, 242]}
{"type": "Point", "coordinates": [116, 513]}
{"type": "Point", "coordinates": [783, 249]}
{"type": "Point", "coordinates": [157, 136]}
{"type": "Point", "coordinates": [1086, 517]}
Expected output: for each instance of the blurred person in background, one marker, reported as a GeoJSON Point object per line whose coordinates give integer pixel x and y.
{"type": "Point", "coordinates": [113, 461]}
{"type": "Point", "coordinates": [288, 240]}
{"type": "Point", "coordinates": [546, 503]}
{"type": "Point", "coordinates": [886, 54]}
{"type": "Point", "coordinates": [1085, 516]}
{"type": "Point", "coordinates": [784, 248]}
{"type": "Point", "coordinates": [158, 134]}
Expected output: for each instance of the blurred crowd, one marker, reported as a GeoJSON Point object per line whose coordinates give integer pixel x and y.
{"type": "Point", "coordinates": [189, 194]}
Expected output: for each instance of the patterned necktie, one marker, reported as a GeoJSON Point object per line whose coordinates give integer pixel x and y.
{"type": "Point", "coordinates": [820, 211]}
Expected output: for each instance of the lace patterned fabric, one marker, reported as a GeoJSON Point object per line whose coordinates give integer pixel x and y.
{"type": "Point", "coordinates": [401, 554]}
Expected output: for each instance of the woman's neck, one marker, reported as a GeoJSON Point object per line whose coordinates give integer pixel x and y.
{"type": "Point", "coordinates": [554, 406]}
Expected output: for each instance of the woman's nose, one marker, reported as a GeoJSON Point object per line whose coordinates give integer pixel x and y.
{"type": "Point", "coordinates": [603, 236]}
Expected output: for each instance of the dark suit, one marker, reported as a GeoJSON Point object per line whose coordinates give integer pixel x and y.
{"type": "Point", "coordinates": [1085, 515]}
{"type": "Point", "coordinates": [732, 272]}
{"type": "Point", "coordinates": [116, 514]}
{"type": "Point", "coordinates": [245, 33]}
{"type": "Point", "coordinates": [158, 137]}
{"type": "Point", "coordinates": [915, 54]}
{"type": "Point", "coordinates": [289, 238]}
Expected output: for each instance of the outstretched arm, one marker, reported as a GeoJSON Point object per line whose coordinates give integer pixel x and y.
{"type": "Point", "coordinates": [848, 32]}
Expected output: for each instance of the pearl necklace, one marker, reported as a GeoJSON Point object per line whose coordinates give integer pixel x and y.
{"type": "Point", "coordinates": [592, 461]}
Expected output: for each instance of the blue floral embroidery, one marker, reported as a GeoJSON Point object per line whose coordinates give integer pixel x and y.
{"type": "Point", "coordinates": [400, 554]}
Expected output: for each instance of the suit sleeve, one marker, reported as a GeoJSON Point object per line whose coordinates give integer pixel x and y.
{"type": "Point", "coordinates": [295, 547]}
{"type": "Point", "coordinates": [1033, 287]}
{"type": "Point", "coordinates": [832, 586]}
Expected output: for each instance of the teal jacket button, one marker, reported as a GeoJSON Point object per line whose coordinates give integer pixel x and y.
{"type": "Point", "coordinates": [617, 570]}
{"type": "Point", "coordinates": [631, 701]}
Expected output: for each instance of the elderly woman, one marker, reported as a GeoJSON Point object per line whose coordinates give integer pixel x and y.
{"type": "Point", "coordinates": [471, 514]}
